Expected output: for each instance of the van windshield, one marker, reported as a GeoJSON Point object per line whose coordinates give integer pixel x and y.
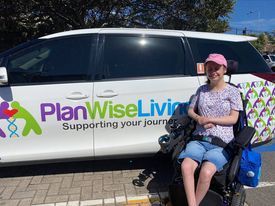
{"type": "Point", "coordinates": [19, 47]}
{"type": "Point", "coordinates": [249, 59]}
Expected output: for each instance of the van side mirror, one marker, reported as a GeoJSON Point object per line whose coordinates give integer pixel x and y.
{"type": "Point", "coordinates": [3, 76]}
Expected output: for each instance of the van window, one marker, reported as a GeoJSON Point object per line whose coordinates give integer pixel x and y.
{"type": "Point", "coordinates": [58, 60]}
{"type": "Point", "coordinates": [247, 56]}
{"type": "Point", "coordinates": [136, 56]}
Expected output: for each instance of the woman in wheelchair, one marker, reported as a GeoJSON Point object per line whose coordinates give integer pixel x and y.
{"type": "Point", "coordinates": [215, 107]}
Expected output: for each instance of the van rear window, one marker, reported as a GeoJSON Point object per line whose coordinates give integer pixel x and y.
{"type": "Point", "coordinates": [249, 59]}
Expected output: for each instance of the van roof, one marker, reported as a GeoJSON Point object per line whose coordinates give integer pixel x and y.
{"type": "Point", "coordinates": [162, 32]}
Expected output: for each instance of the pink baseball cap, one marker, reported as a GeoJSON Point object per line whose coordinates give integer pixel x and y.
{"type": "Point", "coordinates": [217, 58]}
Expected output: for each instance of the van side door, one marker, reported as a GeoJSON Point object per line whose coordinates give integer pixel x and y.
{"type": "Point", "coordinates": [146, 81]}
{"type": "Point", "coordinates": [43, 111]}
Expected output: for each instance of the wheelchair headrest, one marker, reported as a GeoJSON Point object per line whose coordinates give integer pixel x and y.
{"type": "Point", "coordinates": [232, 67]}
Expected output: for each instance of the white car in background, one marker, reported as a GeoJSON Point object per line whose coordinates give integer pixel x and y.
{"type": "Point", "coordinates": [270, 59]}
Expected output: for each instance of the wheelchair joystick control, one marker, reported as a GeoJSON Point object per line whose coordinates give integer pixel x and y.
{"type": "Point", "coordinates": [250, 174]}
{"type": "Point", "coordinates": [164, 139]}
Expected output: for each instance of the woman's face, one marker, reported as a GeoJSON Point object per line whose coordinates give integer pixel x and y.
{"type": "Point", "coordinates": [215, 71]}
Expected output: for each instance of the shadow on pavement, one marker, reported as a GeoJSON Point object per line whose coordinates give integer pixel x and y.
{"type": "Point", "coordinates": [152, 166]}
{"type": "Point", "coordinates": [157, 175]}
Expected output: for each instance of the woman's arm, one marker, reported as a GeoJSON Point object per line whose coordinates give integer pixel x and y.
{"type": "Point", "coordinates": [231, 119]}
{"type": "Point", "coordinates": [200, 119]}
{"type": "Point", "coordinates": [193, 114]}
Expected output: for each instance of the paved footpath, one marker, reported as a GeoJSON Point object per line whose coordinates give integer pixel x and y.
{"type": "Point", "coordinates": [141, 181]}
{"type": "Point", "coordinates": [105, 182]}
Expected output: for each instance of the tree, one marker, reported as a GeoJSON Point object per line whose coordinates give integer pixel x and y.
{"type": "Point", "coordinates": [264, 43]}
{"type": "Point", "coordinates": [23, 20]}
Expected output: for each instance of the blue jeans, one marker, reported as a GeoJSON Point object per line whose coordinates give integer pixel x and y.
{"type": "Point", "coordinates": [203, 151]}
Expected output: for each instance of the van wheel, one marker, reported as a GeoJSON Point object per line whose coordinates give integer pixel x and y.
{"type": "Point", "coordinates": [239, 198]}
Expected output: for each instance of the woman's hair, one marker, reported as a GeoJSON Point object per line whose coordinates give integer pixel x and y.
{"type": "Point", "coordinates": [207, 81]}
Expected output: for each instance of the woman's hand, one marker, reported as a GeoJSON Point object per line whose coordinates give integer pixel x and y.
{"type": "Point", "coordinates": [208, 126]}
{"type": "Point", "coordinates": [203, 120]}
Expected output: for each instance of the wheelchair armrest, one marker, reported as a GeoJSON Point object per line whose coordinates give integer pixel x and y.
{"type": "Point", "coordinates": [234, 167]}
{"type": "Point", "coordinates": [244, 137]}
{"type": "Point", "coordinates": [179, 147]}
{"type": "Point", "coordinates": [242, 140]}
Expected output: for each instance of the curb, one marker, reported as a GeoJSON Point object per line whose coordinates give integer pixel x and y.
{"type": "Point", "coordinates": [143, 200]}
{"type": "Point", "coordinates": [152, 199]}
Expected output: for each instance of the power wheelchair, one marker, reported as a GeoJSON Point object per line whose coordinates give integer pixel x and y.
{"type": "Point", "coordinates": [225, 189]}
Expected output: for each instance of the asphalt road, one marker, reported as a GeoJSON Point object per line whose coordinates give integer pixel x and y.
{"type": "Point", "coordinates": [264, 194]}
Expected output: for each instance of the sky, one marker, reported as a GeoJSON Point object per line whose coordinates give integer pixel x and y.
{"type": "Point", "coordinates": [256, 15]}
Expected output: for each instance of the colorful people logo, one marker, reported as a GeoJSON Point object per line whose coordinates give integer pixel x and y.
{"type": "Point", "coordinates": [271, 121]}
{"type": "Point", "coordinates": [265, 112]}
{"type": "Point", "coordinates": [249, 106]}
{"type": "Point", "coordinates": [260, 107]}
{"type": "Point", "coordinates": [266, 133]}
{"type": "Point", "coordinates": [251, 94]}
{"type": "Point", "coordinates": [268, 84]}
{"type": "Point", "coordinates": [259, 123]}
{"type": "Point", "coordinates": [265, 92]}
{"type": "Point", "coordinates": [253, 114]}
{"type": "Point", "coordinates": [245, 85]}
{"type": "Point", "coordinates": [270, 102]}
{"type": "Point", "coordinates": [259, 103]}
{"type": "Point", "coordinates": [257, 84]}
{"type": "Point", "coordinates": [17, 112]}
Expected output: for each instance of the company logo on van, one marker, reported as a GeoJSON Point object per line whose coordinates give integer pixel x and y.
{"type": "Point", "coordinates": [260, 108]}
{"type": "Point", "coordinates": [10, 113]}
{"type": "Point", "coordinates": [110, 110]}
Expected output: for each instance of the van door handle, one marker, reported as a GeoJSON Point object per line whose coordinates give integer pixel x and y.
{"type": "Point", "coordinates": [77, 96]}
{"type": "Point", "coordinates": [107, 94]}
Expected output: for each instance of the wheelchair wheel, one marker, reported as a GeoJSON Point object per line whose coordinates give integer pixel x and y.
{"type": "Point", "coordinates": [239, 198]}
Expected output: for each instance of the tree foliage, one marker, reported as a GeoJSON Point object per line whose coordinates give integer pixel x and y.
{"type": "Point", "coordinates": [23, 20]}
{"type": "Point", "coordinates": [265, 42]}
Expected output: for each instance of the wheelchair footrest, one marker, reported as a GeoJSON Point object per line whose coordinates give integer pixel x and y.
{"type": "Point", "coordinates": [212, 198]}
{"type": "Point", "coordinates": [177, 197]}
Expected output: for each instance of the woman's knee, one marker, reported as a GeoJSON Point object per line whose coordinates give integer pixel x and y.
{"type": "Point", "coordinates": [188, 166]}
{"type": "Point", "coordinates": [207, 172]}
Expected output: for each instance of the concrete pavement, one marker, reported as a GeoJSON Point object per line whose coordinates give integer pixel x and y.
{"type": "Point", "coordinates": [105, 182]}
{"type": "Point", "coordinates": [141, 181]}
